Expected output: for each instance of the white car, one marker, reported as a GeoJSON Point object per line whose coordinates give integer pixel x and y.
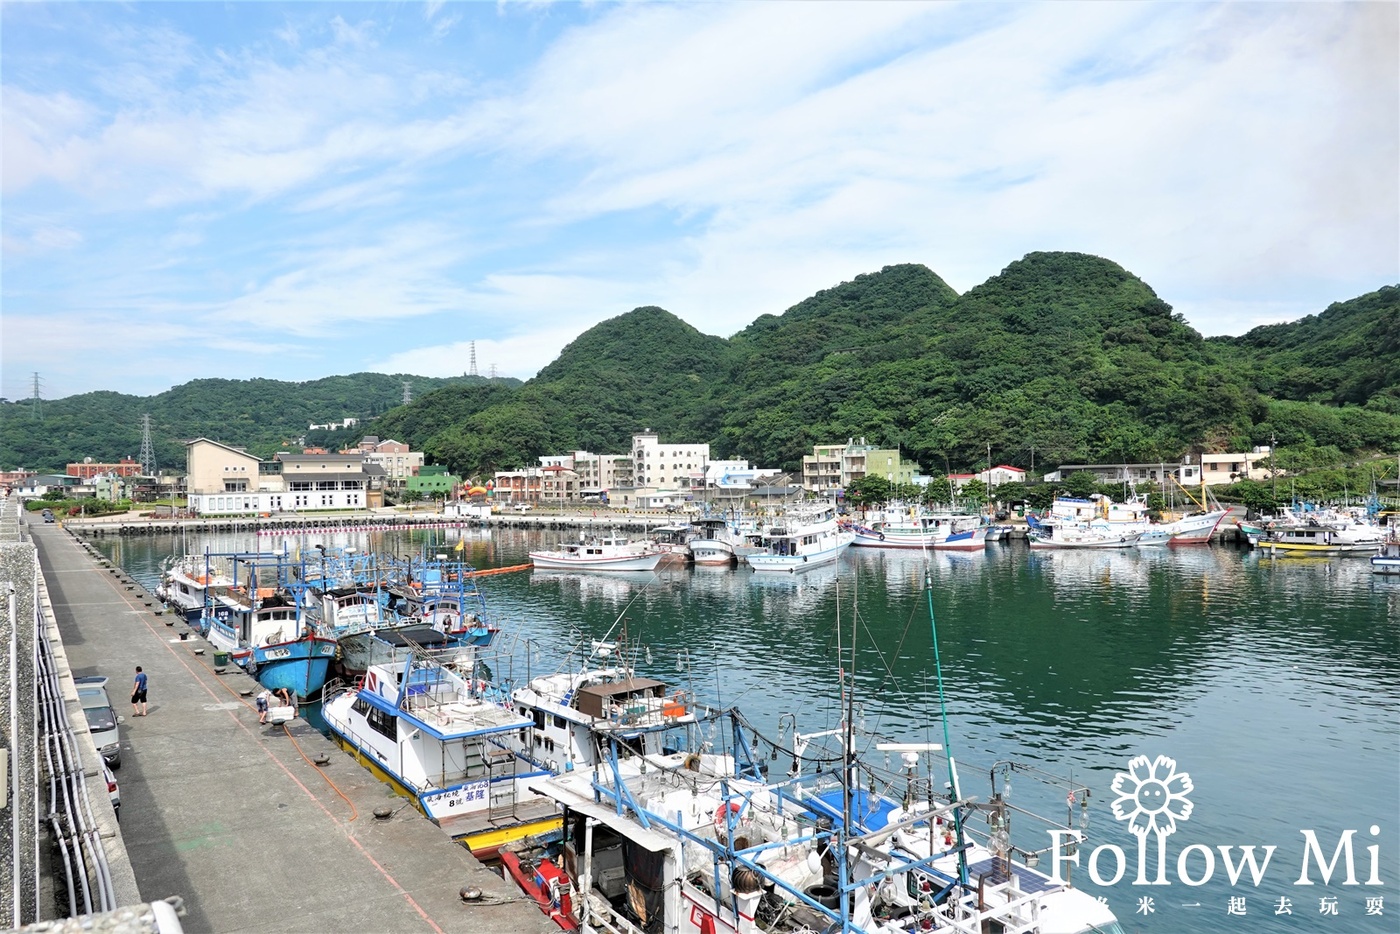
{"type": "Point", "coordinates": [523, 507]}
{"type": "Point", "coordinates": [102, 719]}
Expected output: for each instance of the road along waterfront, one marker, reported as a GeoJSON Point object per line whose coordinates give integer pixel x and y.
{"type": "Point", "coordinates": [239, 819]}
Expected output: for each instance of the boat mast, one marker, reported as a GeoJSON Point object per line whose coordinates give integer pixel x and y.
{"type": "Point", "coordinates": [954, 790]}
{"type": "Point", "coordinates": [848, 750]}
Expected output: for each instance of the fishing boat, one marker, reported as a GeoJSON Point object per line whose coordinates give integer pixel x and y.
{"type": "Point", "coordinates": [1315, 537]}
{"type": "Point", "coordinates": [674, 540]}
{"type": "Point", "coordinates": [1387, 560]}
{"type": "Point", "coordinates": [913, 528]}
{"type": "Point", "coordinates": [185, 581]}
{"type": "Point", "coordinates": [1195, 528]}
{"type": "Point", "coordinates": [445, 740]}
{"type": "Point", "coordinates": [706, 836]}
{"type": "Point", "coordinates": [574, 711]}
{"type": "Point", "coordinates": [435, 605]}
{"type": "Point", "coordinates": [263, 630]}
{"type": "Point", "coordinates": [800, 543]}
{"type": "Point", "coordinates": [601, 553]}
{"type": "Point", "coordinates": [715, 542]}
{"type": "Point", "coordinates": [1102, 514]}
{"type": "Point", "coordinates": [1042, 535]}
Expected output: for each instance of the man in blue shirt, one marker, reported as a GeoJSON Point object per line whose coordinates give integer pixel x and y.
{"type": "Point", "coordinates": [138, 694]}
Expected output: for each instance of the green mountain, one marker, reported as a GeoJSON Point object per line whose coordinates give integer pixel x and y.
{"type": "Point", "coordinates": [1060, 358]}
{"type": "Point", "coordinates": [262, 415]}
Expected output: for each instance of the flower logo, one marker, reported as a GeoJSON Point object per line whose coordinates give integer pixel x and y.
{"type": "Point", "coordinates": [1152, 796]}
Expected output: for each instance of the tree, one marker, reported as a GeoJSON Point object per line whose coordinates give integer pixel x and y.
{"type": "Point", "coordinates": [974, 492]}
{"type": "Point", "coordinates": [868, 491]}
{"type": "Point", "coordinates": [938, 490]}
{"type": "Point", "coordinates": [1081, 483]}
{"type": "Point", "coordinates": [1011, 493]}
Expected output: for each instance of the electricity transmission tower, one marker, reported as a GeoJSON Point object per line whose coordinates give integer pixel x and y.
{"type": "Point", "coordinates": [148, 451]}
{"type": "Point", "coordinates": [471, 369]}
{"type": "Point", "coordinates": [37, 409]}
{"type": "Point", "coordinates": [407, 392]}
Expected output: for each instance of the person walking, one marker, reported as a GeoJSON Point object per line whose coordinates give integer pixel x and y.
{"type": "Point", "coordinates": [138, 694]}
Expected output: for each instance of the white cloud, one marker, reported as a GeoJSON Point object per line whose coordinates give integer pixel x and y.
{"type": "Point", "coordinates": [721, 161]}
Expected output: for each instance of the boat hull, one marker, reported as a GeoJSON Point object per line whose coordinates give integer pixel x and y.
{"type": "Point", "coordinates": [1196, 530]}
{"type": "Point", "coordinates": [552, 562]}
{"type": "Point", "coordinates": [971, 540]}
{"type": "Point", "coordinates": [791, 564]}
{"type": "Point", "coordinates": [1305, 548]}
{"type": "Point", "coordinates": [712, 552]}
{"type": "Point", "coordinates": [300, 666]}
{"type": "Point", "coordinates": [1126, 540]}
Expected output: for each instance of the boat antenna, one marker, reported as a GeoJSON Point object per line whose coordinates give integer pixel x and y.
{"type": "Point", "coordinates": [954, 791]}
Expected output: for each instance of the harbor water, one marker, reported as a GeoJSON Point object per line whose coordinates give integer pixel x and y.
{"type": "Point", "coordinates": [1274, 684]}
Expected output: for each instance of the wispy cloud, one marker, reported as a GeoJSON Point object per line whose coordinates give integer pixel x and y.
{"type": "Point", "coordinates": [514, 174]}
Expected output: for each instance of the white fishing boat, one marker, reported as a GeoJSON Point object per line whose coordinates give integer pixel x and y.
{"type": "Point", "coordinates": [1387, 560]}
{"type": "Point", "coordinates": [446, 741]}
{"type": "Point", "coordinates": [795, 544]}
{"type": "Point", "coordinates": [913, 528]}
{"type": "Point", "coordinates": [1068, 536]}
{"type": "Point", "coordinates": [574, 711]}
{"type": "Point", "coordinates": [605, 553]}
{"type": "Point", "coordinates": [704, 837]}
{"type": "Point", "coordinates": [186, 582]}
{"type": "Point", "coordinates": [715, 542]}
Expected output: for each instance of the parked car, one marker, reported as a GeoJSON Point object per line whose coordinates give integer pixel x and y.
{"type": "Point", "coordinates": [523, 507]}
{"type": "Point", "coordinates": [113, 791]}
{"type": "Point", "coordinates": [47, 515]}
{"type": "Point", "coordinates": [101, 718]}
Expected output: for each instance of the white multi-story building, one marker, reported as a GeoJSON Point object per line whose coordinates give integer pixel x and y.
{"type": "Point", "coordinates": [660, 467]}
{"type": "Point", "coordinates": [225, 480]}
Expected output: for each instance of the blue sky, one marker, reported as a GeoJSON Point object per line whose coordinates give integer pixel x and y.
{"type": "Point", "coordinates": [293, 191]}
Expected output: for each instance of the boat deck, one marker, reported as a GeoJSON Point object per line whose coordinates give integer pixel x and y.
{"type": "Point", "coordinates": [234, 816]}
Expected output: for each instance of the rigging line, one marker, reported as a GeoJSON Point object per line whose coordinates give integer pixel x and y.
{"type": "Point", "coordinates": [943, 713]}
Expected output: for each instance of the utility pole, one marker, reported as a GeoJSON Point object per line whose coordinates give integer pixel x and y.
{"type": "Point", "coordinates": [1273, 466]}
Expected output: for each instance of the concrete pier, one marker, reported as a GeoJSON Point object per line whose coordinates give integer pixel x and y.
{"type": "Point", "coordinates": [237, 818]}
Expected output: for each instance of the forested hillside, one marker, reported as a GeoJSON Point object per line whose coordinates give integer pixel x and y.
{"type": "Point", "coordinates": [262, 415]}
{"type": "Point", "coordinates": [1061, 357]}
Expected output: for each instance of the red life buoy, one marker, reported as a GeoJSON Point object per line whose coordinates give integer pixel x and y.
{"type": "Point", "coordinates": [720, 819]}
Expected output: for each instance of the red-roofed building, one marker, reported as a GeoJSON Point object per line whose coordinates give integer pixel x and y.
{"type": "Point", "coordinates": [88, 469]}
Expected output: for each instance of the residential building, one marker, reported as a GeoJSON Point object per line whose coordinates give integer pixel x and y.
{"type": "Point", "coordinates": [1226, 468]}
{"type": "Point", "coordinates": [324, 481]}
{"type": "Point", "coordinates": [518, 486]}
{"type": "Point", "coordinates": [833, 467]}
{"type": "Point", "coordinates": [335, 426]}
{"type": "Point", "coordinates": [991, 479]}
{"type": "Point", "coordinates": [658, 467]}
{"type": "Point", "coordinates": [398, 461]}
{"type": "Point", "coordinates": [1192, 470]}
{"type": "Point", "coordinates": [88, 469]}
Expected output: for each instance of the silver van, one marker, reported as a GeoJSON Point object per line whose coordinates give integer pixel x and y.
{"type": "Point", "coordinates": [101, 718]}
